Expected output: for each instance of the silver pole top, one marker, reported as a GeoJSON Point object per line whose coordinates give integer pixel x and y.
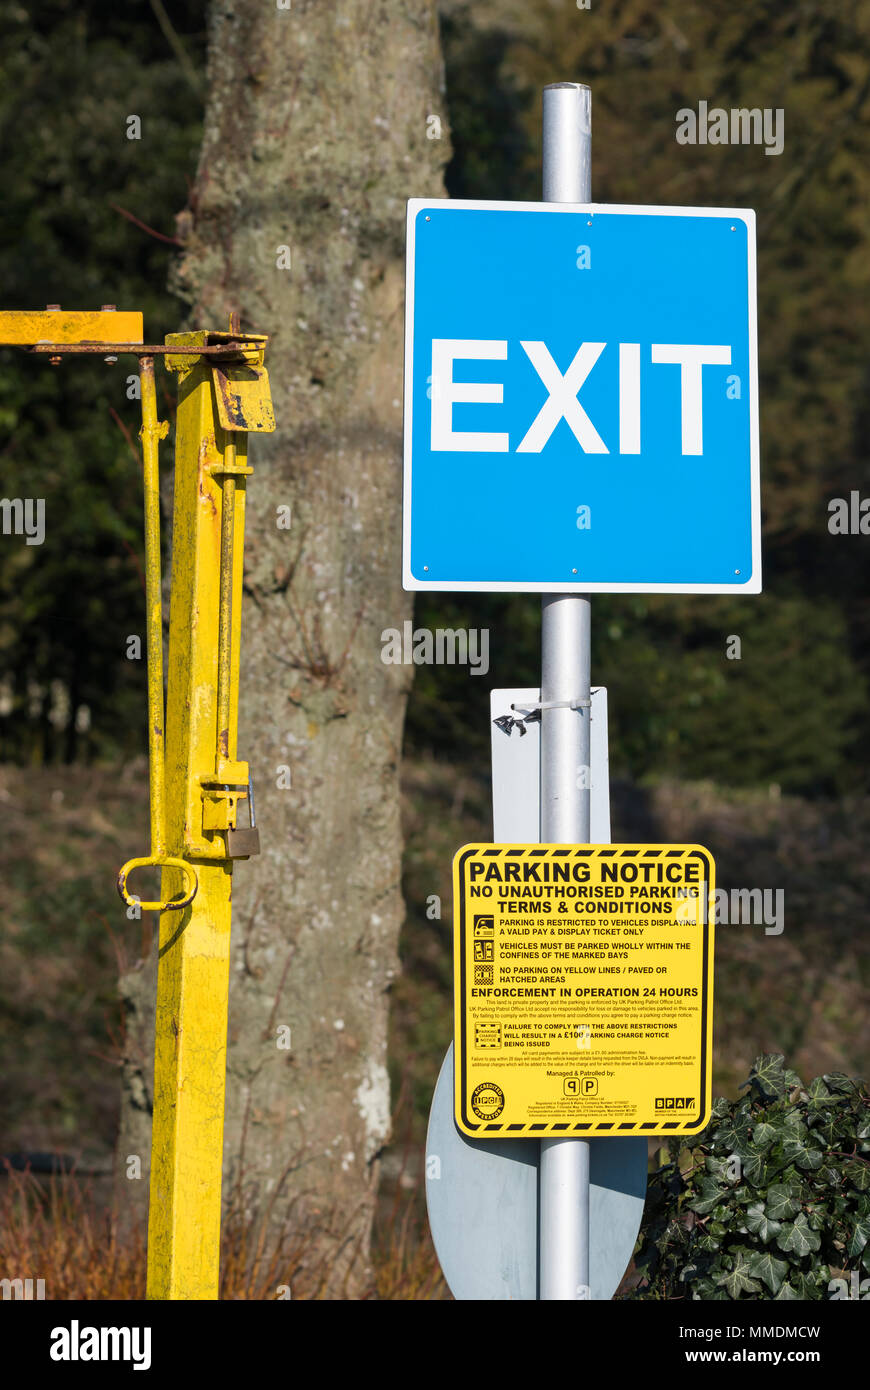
{"type": "Point", "coordinates": [567, 131]}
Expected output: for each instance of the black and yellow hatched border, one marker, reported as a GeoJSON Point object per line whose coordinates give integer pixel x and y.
{"type": "Point", "coordinates": [544, 1129]}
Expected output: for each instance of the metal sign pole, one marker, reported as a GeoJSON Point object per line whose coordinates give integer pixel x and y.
{"type": "Point", "coordinates": [565, 757]}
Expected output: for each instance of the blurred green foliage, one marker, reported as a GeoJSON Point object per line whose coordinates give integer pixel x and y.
{"type": "Point", "coordinates": [71, 73]}
{"type": "Point", "coordinates": [791, 710]}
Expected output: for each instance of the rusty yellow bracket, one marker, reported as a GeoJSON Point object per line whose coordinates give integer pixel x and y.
{"type": "Point", "coordinates": [196, 779]}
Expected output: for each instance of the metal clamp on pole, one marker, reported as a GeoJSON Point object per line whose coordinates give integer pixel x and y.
{"type": "Point", "coordinates": [579, 703]}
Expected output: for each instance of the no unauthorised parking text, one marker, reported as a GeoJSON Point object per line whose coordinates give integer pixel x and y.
{"type": "Point", "coordinates": [583, 981]}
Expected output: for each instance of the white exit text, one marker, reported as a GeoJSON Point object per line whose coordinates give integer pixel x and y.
{"type": "Point", "coordinates": [562, 389]}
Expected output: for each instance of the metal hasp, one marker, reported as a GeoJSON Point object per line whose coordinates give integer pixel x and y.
{"type": "Point", "coordinates": [196, 778]}
{"type": "Point", "coordinates": [565, 757]}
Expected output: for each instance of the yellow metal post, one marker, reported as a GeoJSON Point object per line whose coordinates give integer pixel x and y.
{"type": "Point", "coordinates": [204, 786]}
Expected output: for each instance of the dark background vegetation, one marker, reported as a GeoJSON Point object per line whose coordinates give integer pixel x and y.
{"type": "Point", "coordinates": [764, 759]}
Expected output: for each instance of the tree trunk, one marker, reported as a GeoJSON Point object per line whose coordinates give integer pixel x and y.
{"type": "Point", "coordinates": [316, 132]}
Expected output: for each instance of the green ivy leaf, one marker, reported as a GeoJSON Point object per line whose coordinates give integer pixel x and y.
{"type": "Point", "coordinates": [857, 1171]}
{"type": "Point", "coordinates": [731, 1138]}
{"type": "Point", "coordinates": [706, 1289]}
{"type": "Point", "coordinates": [707, 1242]}
{"type": "Point", "coordinates": [799, 1152]}
{"type": "Point", "coordinates": [717, 1167]}
{"type": "Point", "coordinates": [798, 1237]}
{"type": "Point", "coordinates": [782, 1201]}
{"type": "Point", "coordinates": [787, 1295]}
{"type": "Point", "coordinates": [813, 1285]}
{"type": "Point", "coordinates": [755, 1170]}
{"type": "Point", "coordinates": [819, 1217]}
{"type": "Point", "coordinates": [710, 1194]}
{"type": "Point", "coordinates": [817, 1090]}
{"type": "Point", "coordinates": [764, 1134]}
{"type": "Point", "coordinates": [767, 1076]}
{"type": "Point", "coordinates": [738, 1279]}
{"type": "Point", "coordinates": [828, 1175]}
{"type": "Point", "coordinates": [760, 1224]}
{"type": "Point", "coordinates": [859, 1236]}
{"type": "Point", "coordinates": [673, 1232]}
{"type": "Point", "coordinates": [841, 1084]}
{"type": "Point", "coordinates": [829, 1128]}
{"type": "Point", "coordinates": [764, 1266]}
{"type": "Point", "coordinates": [792, 1123]}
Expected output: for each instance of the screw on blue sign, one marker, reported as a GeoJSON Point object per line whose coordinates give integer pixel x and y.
{"type": "Point", "coordinates": [581, 399]}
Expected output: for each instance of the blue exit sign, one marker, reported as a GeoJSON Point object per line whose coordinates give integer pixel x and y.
{"type": "Point", "coordinates": [581, 399]}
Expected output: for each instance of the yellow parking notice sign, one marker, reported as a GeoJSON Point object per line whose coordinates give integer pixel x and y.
{"type": "Point", "coordinates": [583, 978]}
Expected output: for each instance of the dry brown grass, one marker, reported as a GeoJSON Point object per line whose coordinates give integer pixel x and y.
{"type": "Point", "coordinates": [53, 1229]}
{"type": "Point", "coordinates": [56, 1229]}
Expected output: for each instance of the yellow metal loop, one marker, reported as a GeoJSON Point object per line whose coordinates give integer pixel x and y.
{"type": "Point", "coordinates": [161, 862]}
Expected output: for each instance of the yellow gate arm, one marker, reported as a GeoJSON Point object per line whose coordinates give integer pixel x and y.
{"type": "Point", "coordinates": [196, 780]}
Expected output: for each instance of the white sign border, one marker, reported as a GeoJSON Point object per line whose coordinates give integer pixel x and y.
{"type": "Point", "coordinates": [410, 583]}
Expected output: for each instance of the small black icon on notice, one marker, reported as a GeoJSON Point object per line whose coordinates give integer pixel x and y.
{"type": "Point", "coordinates": [484, 924]}
{"type": "Point", "coordinates": [484, 950]}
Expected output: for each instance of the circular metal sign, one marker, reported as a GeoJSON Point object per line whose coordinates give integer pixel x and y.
{"type": "Point", "coordinates": [482, 1197]}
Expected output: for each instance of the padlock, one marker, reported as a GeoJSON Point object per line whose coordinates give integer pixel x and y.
{"type": "Point", "coordinates": [243, 841]}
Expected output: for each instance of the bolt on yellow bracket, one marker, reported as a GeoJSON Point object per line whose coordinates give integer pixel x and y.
{"type": "Point", "coordinates": [196, 779]}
